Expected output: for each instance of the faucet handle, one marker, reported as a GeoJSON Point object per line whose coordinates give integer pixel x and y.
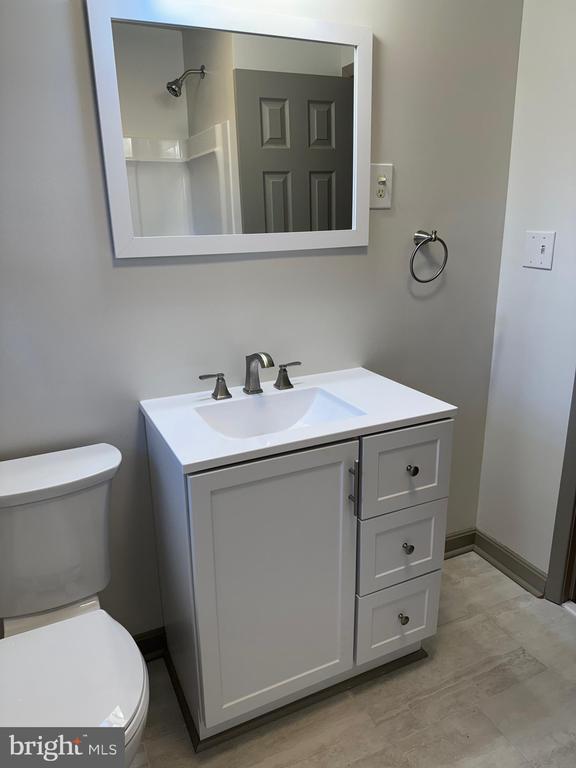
{"type": "Point", "coordinates": [220, 389]}
{"type": "Point", "coordinates": [283, 380]}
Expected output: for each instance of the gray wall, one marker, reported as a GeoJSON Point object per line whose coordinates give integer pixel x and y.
{"type": "Point", "coordinates": [82, 339]}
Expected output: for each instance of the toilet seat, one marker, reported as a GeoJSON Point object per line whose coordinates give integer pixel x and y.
{"type": "Point", "coordinates": [83, 671]}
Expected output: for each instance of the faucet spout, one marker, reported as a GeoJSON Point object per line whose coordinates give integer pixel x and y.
{"type": "Point", "coordinates": [253, 364]}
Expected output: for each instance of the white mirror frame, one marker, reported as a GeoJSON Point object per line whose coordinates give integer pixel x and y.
{"type": "Point", "coordinates": [101, 13]}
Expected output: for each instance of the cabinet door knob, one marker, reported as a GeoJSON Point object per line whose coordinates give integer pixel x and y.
{"type": "Point", "coordinates": [408, 548]}
{"type": "Point", "coordinates": [412, 470]}
{"type": "Point", "coordinates": [403, 619]}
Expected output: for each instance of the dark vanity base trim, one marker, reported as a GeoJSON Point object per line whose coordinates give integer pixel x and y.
{"type": "Point", "coordinates": [515, 567]}
{"type": "Point", "coordinates": [152, 644]}
{"type": "Point", "coordinates": [182, 703]}
{"type": "Point", "coordinates": [201, 744]}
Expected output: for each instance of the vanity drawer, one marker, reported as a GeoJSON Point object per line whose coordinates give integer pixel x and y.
{"type": "Point", "coordinates": [405, 467]}
{"type": "Point", "coordinates": [401, 545]}
{"type": "Point", "coordinates": [393, 618]}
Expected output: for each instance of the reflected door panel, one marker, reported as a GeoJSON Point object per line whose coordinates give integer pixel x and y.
{"type": "Point", "coordinates": [295, 138]}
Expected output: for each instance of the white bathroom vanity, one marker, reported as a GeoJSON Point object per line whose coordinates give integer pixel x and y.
{"type": "Point", "coordinates": [300, 536]}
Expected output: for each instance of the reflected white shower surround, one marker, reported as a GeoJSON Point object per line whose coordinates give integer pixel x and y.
{"type": "Point", "coordinates": [182, 186]}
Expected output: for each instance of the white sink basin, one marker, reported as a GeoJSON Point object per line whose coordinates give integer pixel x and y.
{"type": "Point", "coordinates": [266, 414]}
{"type": "Point", "coordinates": [322, 408]}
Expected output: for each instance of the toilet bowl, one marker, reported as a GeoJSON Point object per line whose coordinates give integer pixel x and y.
{"type": "Point", "coordinates": [64, 662]}
{"type": "Point", "coordinates": [84, 671]}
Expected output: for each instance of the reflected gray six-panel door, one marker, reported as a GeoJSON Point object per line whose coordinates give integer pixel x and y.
{"type": "Point", "coordinates": [295, 139]}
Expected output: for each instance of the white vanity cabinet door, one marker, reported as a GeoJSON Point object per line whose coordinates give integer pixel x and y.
{"type": "Point", "coordinates": [394, 618]}
{"type": "Point", "coordinates": [274, 569]}
{"type": "Point", "coordinates": [401, 546]}
{"type": "Point", "coordinates": [405, 467]}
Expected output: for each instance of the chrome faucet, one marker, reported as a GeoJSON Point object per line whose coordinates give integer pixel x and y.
{"type": "Point", "coordinates": [252, 384]}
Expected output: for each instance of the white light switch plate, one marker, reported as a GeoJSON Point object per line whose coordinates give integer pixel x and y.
{"type": "Point", "coordinates": [381, 177]}
{"type": "Point", "coordinates": [539, 250]}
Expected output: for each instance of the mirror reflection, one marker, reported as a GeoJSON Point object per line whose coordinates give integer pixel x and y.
{"type": "Point", "coordinates": [233, 133]}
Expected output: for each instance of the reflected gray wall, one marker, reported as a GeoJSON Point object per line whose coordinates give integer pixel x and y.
{"type": "Point", "coordinates": [82, 339]}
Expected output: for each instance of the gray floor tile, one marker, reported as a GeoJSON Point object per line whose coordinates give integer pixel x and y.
{"type": "Point", "coordinates": [497, 691]}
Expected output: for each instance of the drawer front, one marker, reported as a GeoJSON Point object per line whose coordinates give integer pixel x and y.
{"type": "Point", "coordinates": [404, 468]}
{"type": "Point", "coordinates": [394, 618]}
{"type": "Point", "coordinates": [401, 546]}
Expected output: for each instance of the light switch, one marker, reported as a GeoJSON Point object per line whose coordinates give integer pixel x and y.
{"type": "Point", "coordinates": [381, 175]}
{"type": "Point", "coordinates": [539, 250]}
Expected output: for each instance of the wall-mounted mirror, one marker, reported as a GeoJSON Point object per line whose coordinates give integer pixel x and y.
{"type": "Point", "coordinates": [227, 132]}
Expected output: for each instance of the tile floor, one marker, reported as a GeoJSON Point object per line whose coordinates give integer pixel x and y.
{"type": "Point", "coordinates": [498, 691]}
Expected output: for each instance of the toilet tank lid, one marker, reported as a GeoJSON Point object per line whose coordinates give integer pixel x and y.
{"type": "Point", "coordinates": [35, 478]}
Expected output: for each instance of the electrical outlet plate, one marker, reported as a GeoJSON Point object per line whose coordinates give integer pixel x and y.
{"type": "Point", "coordinates": [381, 177]}
{"type": "Point", "coordinates": [539, 249]}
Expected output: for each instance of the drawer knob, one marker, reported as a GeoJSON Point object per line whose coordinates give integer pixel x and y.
{"type": "Point", "coordinates": [412, 470]}
{"type": "Point", "coordinates": [403, 619]}
{"type": "Point", "coordinates": [408, 548]}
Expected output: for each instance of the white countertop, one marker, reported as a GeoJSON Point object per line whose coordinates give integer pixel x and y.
{"type": "Point", "coordinates": [385, 405]}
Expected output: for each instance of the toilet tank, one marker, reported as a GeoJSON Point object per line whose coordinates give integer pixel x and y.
{"type": "Point", "coordinates": [54, 528]}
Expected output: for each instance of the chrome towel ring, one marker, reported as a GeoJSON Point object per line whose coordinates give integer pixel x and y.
{"type": "Point", "coordinates": [421, 238]}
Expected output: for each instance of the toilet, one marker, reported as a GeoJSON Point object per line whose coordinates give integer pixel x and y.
{"type": "Point", "coordinates": [63, 660]}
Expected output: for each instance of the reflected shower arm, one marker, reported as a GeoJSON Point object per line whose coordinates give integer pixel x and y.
{"type": "Point", "coordinates": [201, 72]}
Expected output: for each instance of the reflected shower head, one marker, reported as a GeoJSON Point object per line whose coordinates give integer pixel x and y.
{"type": "Point", "coordinates": [174, 87]}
